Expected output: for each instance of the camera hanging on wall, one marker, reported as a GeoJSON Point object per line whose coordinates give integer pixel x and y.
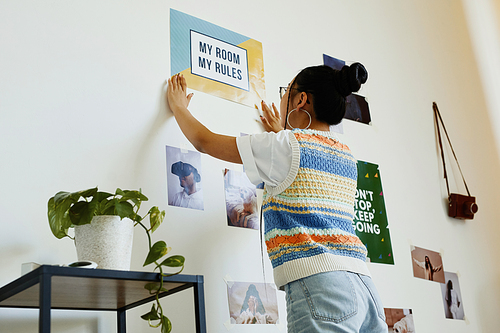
{"type": "Point", "coordinates": [459, 206]}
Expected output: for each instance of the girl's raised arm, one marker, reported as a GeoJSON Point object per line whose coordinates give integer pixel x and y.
{"type": "Point", "coordinates": [219, 146]}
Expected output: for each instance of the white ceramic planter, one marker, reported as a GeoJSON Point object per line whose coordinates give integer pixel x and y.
{"type": "Point", "coordinates": [107, 241]}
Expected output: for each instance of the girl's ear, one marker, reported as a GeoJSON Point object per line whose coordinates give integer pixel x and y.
{"type": "Point", "coordinates": [303, 100]}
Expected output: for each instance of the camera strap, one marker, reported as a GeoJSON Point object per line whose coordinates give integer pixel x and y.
{"type": "Point", "coordinates": [437, 117]}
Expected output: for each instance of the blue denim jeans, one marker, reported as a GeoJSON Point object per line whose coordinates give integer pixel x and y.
{"type": "Point", "coordinates": [336, 301]}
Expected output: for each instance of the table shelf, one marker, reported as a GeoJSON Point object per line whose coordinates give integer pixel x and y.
{"type": "Point", "coordinates": [53, 287]}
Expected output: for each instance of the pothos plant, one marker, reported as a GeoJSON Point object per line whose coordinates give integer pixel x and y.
{"type": "Point", "coordinates": [66, 210]}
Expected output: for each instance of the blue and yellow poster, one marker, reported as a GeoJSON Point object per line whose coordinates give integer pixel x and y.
{"type": "Point", "coordinates": [215, 60]}
{"type": "Point", "coordinates": [370, 216]}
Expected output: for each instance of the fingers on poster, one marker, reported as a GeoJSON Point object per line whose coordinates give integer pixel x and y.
{"type": "Point", "coordinates": [252, 303]}
{"type": "Point", "coordinates": [370, 217]}
{"type": "Point", "coordinates": [428, 265]}
{"type": "Point", "coordinates": [216, 60]}
{"type": "Point", "coordinates": [356, 105]}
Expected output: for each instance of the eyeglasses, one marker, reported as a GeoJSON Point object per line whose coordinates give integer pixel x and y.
{"type": "Point", "coordinates": [283, 91]}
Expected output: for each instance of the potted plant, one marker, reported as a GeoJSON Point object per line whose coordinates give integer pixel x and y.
{"type": "Point", "coordinates": [83, 208]}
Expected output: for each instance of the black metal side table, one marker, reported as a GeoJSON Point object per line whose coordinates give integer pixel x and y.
{"type": "Point", "coordinates": [53, 287]}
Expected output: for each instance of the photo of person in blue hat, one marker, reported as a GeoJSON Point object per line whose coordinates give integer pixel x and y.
{"type": "Point", "coordinates": [190, 196]}
{"type": "Point", "coordinates": [184, 191]}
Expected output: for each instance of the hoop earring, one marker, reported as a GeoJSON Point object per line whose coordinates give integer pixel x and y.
{"type": "Point", "coordinates": [288, 119]}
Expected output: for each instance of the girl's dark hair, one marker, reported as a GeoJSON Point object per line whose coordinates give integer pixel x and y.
{"type": "Point", "coordinates": [428, 263]}
{"type": "Point", "coordinates": [329, 88]}
{"type": "Point", "coordinates": [449, 287]}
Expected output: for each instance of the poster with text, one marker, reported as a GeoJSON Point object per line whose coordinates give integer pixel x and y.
{"type": "Point", "coordinates": [215, 60]}
{"type": "Point", "coordinates": [370, 217]}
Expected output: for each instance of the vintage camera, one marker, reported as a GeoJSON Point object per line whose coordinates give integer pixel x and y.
{"type": "Point", "coordinates": [462, 206]}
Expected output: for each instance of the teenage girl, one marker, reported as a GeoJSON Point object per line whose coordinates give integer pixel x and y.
{"type": "Point", "coordinates": [308, 207]}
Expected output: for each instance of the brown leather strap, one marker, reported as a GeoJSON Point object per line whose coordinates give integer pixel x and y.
{"type": "Point", "coordinates": [437, 117]}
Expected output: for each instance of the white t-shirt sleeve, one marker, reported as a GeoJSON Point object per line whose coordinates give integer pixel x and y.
{"type": "Point", "coordinates": [268, 157]}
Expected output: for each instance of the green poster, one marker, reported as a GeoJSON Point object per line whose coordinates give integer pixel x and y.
{"type": "Point", "coordinates": [370, 217]}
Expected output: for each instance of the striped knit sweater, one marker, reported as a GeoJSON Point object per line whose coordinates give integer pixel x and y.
{"type": "Point", "coordinates": [308, 224]}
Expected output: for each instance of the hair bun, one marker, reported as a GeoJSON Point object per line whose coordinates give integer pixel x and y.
{"type": "Point", "coordinates": [351, 78]}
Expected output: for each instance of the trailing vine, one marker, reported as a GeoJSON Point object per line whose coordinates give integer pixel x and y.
{"type": "Point", "coordinates": [158, 250]}
{"type": "Point", "coordinates": [65, 210]}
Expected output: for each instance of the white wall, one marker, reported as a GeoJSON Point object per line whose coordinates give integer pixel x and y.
{"type": "Point", "coordinates": [483, 20]}
{"type": "Point", "coordinates": [82, 104]}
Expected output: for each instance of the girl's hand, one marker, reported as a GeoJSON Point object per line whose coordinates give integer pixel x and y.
{"type": "Point", "coordinates": [271, 120]}
{"type": "Point", "coordinates": [176, 93]}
